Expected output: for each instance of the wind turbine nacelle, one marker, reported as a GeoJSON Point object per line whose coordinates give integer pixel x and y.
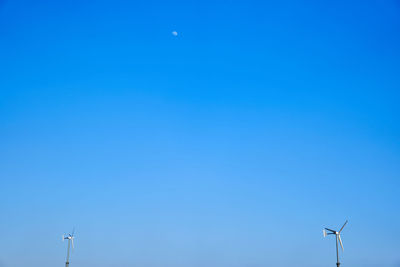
{"type": "Point", "coordinates": [324, 232]}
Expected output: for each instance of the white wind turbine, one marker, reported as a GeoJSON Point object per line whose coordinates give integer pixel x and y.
{"type": "Point", "coordinates": [338, 239]}
{"type": "Point", "coordinates": [70, 238]}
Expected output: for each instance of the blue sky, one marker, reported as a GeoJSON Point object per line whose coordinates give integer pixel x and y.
{"type": "Point", "coordinates": [231, 144]}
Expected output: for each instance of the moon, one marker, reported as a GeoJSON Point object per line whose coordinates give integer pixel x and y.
{"type": "Point", "coordinates": [175, 33]}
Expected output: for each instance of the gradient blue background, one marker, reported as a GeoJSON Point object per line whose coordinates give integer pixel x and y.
{"type": "Point", "coordinates": [230, 145]}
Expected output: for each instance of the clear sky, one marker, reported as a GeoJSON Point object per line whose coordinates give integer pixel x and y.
{"type": "Point", "coordinates": [231, 144]}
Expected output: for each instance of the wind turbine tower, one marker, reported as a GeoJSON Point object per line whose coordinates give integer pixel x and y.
{"type": "Point", "coordinates": [70, 238]}
{"type": "Point", "coordinates": [338, 240]}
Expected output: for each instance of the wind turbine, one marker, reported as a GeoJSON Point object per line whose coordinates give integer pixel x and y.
{"type": "Point", "coordinates": [338, 239]}
{"type": "Point", "coordinates": [70, 238]}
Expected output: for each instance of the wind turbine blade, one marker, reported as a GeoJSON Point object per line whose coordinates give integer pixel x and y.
{"type": "Point", "coordinates": [343, 226]}
{"type": "Point", "coordinates": [62, 238]}
{"type": "Point", "coordinates": [73, 231]}
{"type": "Point", "coordinates": [330, 230]}
{"type": "Point", "coordinates": [72, 242]}
{"type": "Point", "coordinates": [340, 240]}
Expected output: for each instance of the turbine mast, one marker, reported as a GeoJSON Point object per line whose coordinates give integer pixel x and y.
{"type": "Point", "coordinates": [337, 252]}
{"type": "Point", "coordinates": [67, 262]}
